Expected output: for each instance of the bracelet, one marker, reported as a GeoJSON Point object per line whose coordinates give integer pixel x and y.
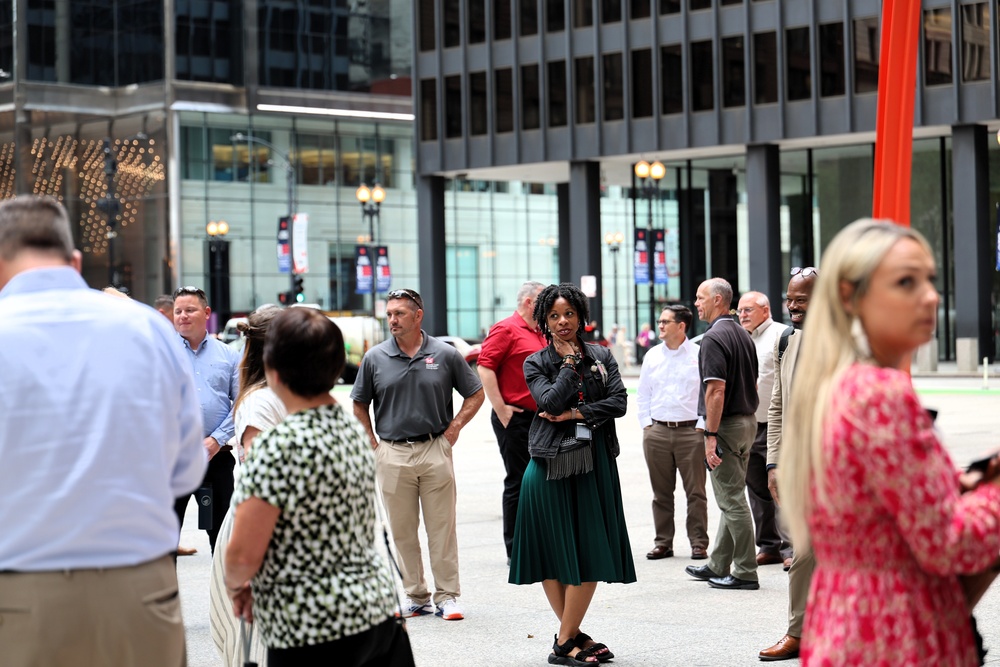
{"type": "Point", "coordinates": [570, 360]}
{"type": "Point", "coordinates": [711, 434]}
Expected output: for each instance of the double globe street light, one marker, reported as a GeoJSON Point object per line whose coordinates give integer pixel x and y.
{"type": "Point", "coordinates": [649, 176]}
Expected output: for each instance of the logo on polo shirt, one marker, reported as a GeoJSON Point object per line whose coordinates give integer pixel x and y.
{"type": "Point", "coordinates": [431, 365]}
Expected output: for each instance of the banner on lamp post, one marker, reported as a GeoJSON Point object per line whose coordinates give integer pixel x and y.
{"type": "Point", "coordinates": [363, 274]}
{"type": "Point", "coordinates": [383, 275]}
{"type": "Point", "coordinates": [659, 257]}
{"type": "Point", "coordinates": [640, 258]}
{"type": "Point", "coordinates": [284, 249]}
{"type": "Point", "coordinates": [300, 239]}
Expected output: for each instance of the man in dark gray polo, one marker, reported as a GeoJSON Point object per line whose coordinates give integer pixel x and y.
{"type": "Point", "coordinates": [410, 378]}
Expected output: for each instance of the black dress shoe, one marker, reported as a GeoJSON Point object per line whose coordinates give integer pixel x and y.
{"type": "Point", "coordinates": [659, 552]}
{"type": "Point", "coordinates": [702, 572]}
{"type": "Point", "coordinates": [729, 582]}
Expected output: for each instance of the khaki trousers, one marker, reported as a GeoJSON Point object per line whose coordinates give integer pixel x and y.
{"type": "Point", "coordinates": [799, 578]}
{"type": "Point", "coordinates": [124, 616]}
{"type": "Point", "coordinates": [669, 451]}
{"type": "Point", "coordinates": [734, 544]}
{"type": "Point", "coordinates": [415, 477]}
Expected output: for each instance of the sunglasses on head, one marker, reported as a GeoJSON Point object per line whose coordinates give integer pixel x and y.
{"type": "Point", "coordinates": [806, 272]}
{"type": "Point", "coordinates": [407, 294]}
{"type": "Point", "coordinates": [189, 291]}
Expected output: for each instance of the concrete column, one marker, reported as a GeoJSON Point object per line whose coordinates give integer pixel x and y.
{"type": "Point", "coordinates": [583, 204]}
{"type": "Point", "coordinates": [973, 238]}
{"type": "Point", "coordinates": [763, 209]}
{"type": "Point", "coordinates": [431, 259]}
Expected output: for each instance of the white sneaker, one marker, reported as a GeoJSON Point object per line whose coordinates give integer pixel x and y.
{"type": "Point", "coordinates": [411, 608]}
{"type": "Point", "coordinates": [450, 610]}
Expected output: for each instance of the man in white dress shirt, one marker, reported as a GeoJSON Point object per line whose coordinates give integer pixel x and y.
{"type": "Point", "coordinates": [773, 545]}
{"type": "Point", "coordinates": [101, 430]}
{"type": "Point", "coordinates": [668, 414]}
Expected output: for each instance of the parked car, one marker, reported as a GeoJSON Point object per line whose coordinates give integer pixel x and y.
{"type": "Point", "coordinates": [468, 350]}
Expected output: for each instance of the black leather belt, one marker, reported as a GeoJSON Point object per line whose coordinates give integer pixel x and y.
{"type": "Point", "coordinates": [423, 437]}
{"type": "Point", "coordinates": [690, 422]}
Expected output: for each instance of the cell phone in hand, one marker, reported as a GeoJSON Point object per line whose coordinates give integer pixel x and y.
{"type": "Point", "coordinates": [718, 452]}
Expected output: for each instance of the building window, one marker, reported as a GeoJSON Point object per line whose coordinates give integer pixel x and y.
{"type": "Point", "coordinates": [583, 13]}
{"type": "Point", "coordinates": [670, 6]}
{"type": "Point", "coordinates": [611, 11]}
{"type": "Point", "coordinates": [831, 59]}
{"type": "Point", "coordinates": [428, 110]}
{"type": "Point", "coordinates": [734, 93]}
{"type": "Point", "coordinates": [207, 47]}
{"type": "Point", "coordinates": [530, 111]}
{"type": "Point", "coordinates": [975, 42]}
{"type": "Point", "coordinates": [477, 21]}
{"type": "Point", "coordinates": [425, 20]}
{"type": "Point", "coordinates": [555, 16]}
{"type": "Point", "coordinates": [614, 98]}
{"type": "Point", "coordinates": [866, 45]}
{"type": "Point", "coordinates": [557, 93]}
{"type": "Point", "coordinates": [501, 19]}
{"type": "Point", "coordinates": [529, 17]}
{"type": "Point", "coordinates": [477, 103]}
{"type": "Point", "coordinates": [695, 5]}
{"type": "Point", "coordinates": [702, 79]}
{"type": "Point", "coordinates": [797, 69]}
{"type": "Point", "coordinates": [642, 83]}
{"type": "Point", "coordinates": [452, 106]}
{"type": "Point", "coordinates": [937, 47]}
{"type": "Point", "coordinates": [452, 28]}
{"type": "Point", "coordinates": [732, 2]}
{"type": "Point", "coordinates": [671, 79]}
{"type": "Point", "coordinates": [640, 9]}
{"type": "Point", "coordinates": [504, 94]}
{"type": "Point", "coordinates": [584, 90]}
{"type": "Point", "coordinates": [765, 68]}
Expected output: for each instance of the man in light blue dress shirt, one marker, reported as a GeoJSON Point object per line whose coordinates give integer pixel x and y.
{"type": "Point", "coordinates": [100, 430]}
{"type": "Point", "coordinates": [216, 376]}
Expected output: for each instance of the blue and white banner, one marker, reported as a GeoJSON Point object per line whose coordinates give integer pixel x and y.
{"type": "Point", "coordinates": [363, 274]}
{"type": "Point", "coordinates": [640, 258]}
{"type": "Point", "coordinates": [284, 252]}
{"type": "Point", "coordinates": [383, 275]}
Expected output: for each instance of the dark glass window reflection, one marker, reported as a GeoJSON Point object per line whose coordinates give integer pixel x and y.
{"type": "Point", "coordinates": [672, 78]}
{"type": "Point", "coordinates": [557, 93]}
{"type": "Point", "coordinates": [504, 83]}
{"type": "Point", "coordinates": [7, 36]}
{"type": "Point", "coordinates": [670, 6]}
{"type": "Point", "coordinates": [477, 103]}
{"type": "Point", "coordinates": [611, 11]}
{"type": "Point", "coordinates": [831, 59]}
{"type": "Point", "coordinates": [640, 9]}
{"type": "Point", "coordinates": [477, 21]}
{"type": "Point", "coordinates": [335, 46]}
{"type": "Point", "coordinates": [452, 29]}
{"type": "Point", "coordinates": [642, 83]}
{"type": "Point", "coordinates": [583, 13]}
{"type": "Point", "coordinates": [452, 106]}
{"type": "Point", "coordinates": [530, 101]}
{"type": "Point", "coordinates": [937, 47]}
{"type": "Point", "coordinates": [798, 72]}
{"type": "Point", "coordinates": [529, 17]}
{"type": "Point", "coordinates": [555, 16]}
{"type": "Point", "coordinates": [425, 25]}
{"type": "Point", "coordinates": [585, 101]}
{"type": "Point", "coordinates": [975, 42]}
{"type": "Point", "coordinates": [501, 19]}
{"type": "Point", "coordinates": [614, 85]}
{"type": "Point", "coordinates": [733, 73]}
{"type": "Point", "coordinates": [866, 45]}
{"type": "Point", "coordinates": [209, 41]}
{"type": "Point", "coordinates": [700, 4]}
{"type": "Point", "coordinates": [428, 110]}
{"type": "Point", "coordinates": [702, 78]}
{"type": "Point", "coordinates": [765, 68]}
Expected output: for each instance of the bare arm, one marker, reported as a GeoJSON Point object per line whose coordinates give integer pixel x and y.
{"type": "Point", "coordinates": [253, 526]}
{"type": "Point", "coordinates": [470, 406]}
{"type": "Point", "coordinates": [361, 412]}
{"type": "Point", "coordinates": [715, 396]}
{"type": "Point", "coordinates": [492, 388]}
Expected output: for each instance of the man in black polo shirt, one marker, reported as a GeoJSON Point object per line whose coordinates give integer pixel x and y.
{"type": "Point", "coordinates": [410, 378]}
{"type": "Point", "coordinates": [728, 365]}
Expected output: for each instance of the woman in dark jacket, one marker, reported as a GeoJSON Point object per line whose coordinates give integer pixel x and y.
{"type": "Point", "coordinates": [570, 530]}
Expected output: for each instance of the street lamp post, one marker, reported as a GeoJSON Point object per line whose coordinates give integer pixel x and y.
{"type": "Point", "coordinates": [218, 268]}
{"type": "Point", "coordinates": [614, 242]}
{"type": "Point", "coordinates": [110, 204]}
{"type": "Point", "coordinates": [290, 179]}
{"type": "Point", "coordinates": [371, 204]}
{"type": "Point", "coordinates": [649, 176]}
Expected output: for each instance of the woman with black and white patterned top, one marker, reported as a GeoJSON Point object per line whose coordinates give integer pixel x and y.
{"type": "Point", "coordinates": [302, 562]}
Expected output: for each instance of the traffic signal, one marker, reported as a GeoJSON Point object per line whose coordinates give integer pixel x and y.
{"type": "Point", "coordinates": [298, 292]}
{"type": "Point", "coordinates": [283, 298]}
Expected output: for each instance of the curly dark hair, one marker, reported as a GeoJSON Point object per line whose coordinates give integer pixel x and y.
{"type": "Point", "coordinates": [547, 298]}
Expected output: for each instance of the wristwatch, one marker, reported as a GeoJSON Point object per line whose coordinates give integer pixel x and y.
{"type": "Point", "coordinates": [711, 434]}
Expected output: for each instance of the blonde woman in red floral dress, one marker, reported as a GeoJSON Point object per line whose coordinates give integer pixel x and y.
{"type": "Point", "coordinates": [868, 484]}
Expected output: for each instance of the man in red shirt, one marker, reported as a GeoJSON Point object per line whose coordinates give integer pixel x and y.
{"type": "Point", "coordinates": [501, 369]}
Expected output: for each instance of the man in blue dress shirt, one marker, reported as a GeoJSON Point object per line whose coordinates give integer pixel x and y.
{"type": "Point", "coordinates": [100, 430]}
{"type": "Point", "coordinates": [216, 376]}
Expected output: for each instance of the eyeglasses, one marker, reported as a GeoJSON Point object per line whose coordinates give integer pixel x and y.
{"type": "Point", "coordinates": [749, 310]}
{"type": "Point", "coordinates": [407, 294]}
{"type": "Point", "coordinates": [662, 322]}
{"type": "Point", "coordinates": [190, 291]}
{"type": "Point", "coordinates": [806, 272]}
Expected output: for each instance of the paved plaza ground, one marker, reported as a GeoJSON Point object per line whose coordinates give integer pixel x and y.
{"type": "Point", "coordinates": [666, 618]}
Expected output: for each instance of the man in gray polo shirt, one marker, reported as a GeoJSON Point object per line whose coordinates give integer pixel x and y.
{"type": "Point", "coordinates": [410, 378]}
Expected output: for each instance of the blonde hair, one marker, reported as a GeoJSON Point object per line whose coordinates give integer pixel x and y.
{"type": "Point", "coordinates": [828, 348]}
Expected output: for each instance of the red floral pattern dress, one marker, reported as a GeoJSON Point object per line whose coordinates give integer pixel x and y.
{"type": "Point", "coordinates": [894, 534]}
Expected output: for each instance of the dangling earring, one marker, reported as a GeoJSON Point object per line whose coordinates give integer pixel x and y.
{"type": "Point", "coordinates": [860, 339]}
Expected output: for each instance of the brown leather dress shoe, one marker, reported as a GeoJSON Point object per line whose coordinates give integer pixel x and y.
{"type": "Point", "coordinates": [786, 649]}
{"type": "Point", "coordinates": [698, 553]}
{"type": "Point", "coordinates": [186, 551]}
{"type": "Point", "coordinates": [764, 558]}
{"type": "Point", "coordinates": [659, 552]}
{"type": "Point", "coordinates": [788, 564]}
